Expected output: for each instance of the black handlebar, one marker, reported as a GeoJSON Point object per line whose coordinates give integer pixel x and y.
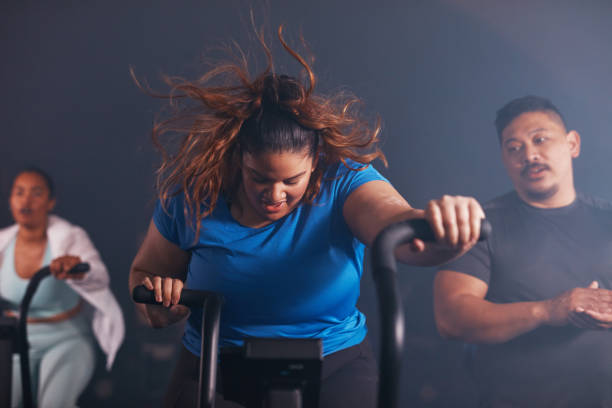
{"type": "Point", "coordinates": [189, 297]}
{"type": "Point", "coordinates": [391, 311]}
{"type": "Point", "coordinates": [402, 232]}
{"type": "Point", "coordinates": [35, 281]}
{"type": "Point", "coordinates": [24, 307]}
{"type": "Point", "coordinates": [211, 315]}
{"type": "Point", "coordinates": [384, 268]}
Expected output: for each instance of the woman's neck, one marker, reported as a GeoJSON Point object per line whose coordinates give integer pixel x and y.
{"type": "Point", "coordinates": [29, 235]}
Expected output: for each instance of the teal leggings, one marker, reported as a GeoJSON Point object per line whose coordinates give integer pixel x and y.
{"type": "Point", "coordinates": [62, 361]}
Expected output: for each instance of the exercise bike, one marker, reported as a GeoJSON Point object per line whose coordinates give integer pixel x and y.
{"type": "Point", "coordinates": [14, 339]}
{"type": "Point", "coordinates": [274, 373]}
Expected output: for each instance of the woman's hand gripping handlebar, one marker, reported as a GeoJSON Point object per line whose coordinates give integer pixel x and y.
{"type": "Point", "coordinates": [188, 297]}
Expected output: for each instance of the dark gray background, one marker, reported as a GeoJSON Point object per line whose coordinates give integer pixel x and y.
{"type": "Point", "coordinates": [436, 71]}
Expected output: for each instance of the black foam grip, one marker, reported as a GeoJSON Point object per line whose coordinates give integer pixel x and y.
{"type": "Point", "coordinates": [422, 230]}
{"type": "Point", "coordinates": [189, 297]}
{"type": "Point", "coordinates": [485, 230]}
{"type": "Point", "coordinates": [141, 294]}
{"type": "Point", "coordinates": [79, 268]}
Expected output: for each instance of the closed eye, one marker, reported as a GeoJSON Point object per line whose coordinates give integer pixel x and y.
{"type": "Point", "coordinates": [259, 179]}
{"type": "Point", "coordinates": [292, 181]}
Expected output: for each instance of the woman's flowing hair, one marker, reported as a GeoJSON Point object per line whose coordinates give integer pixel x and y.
{"type": "Point", "coordinates": [207, 160]}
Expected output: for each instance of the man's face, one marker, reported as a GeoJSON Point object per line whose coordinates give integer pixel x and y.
{"type": "Point", "coordinates": [537, 152]}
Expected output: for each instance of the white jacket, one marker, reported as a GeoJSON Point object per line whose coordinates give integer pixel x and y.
{"type": "Point", "coordinates": [68, 239]}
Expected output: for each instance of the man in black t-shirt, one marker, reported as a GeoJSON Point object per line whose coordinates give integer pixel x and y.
{"type": "Point", "coordinates": [535, 296]}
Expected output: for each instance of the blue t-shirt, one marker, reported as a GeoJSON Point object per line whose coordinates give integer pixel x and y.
{"type": "Point", "coordinates": [297, 277]}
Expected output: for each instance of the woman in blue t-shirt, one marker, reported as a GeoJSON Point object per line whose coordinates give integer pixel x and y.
{"type": "Point", "coordinates": [270, 199]}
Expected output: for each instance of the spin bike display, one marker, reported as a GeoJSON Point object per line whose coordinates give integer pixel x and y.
{"type": "Point", "coordinates": [14, 339]}
{"type": "Point", "coordinates": [272, 373]}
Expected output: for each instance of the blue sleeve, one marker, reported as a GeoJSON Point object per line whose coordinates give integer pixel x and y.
{"type": "Point", "coordinates": [348, 180]}
{"type": "Point", "coordinates": [171, 222]}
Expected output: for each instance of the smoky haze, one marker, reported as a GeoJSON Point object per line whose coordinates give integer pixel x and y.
{"type": "Point", "coordinates": [435, 71]}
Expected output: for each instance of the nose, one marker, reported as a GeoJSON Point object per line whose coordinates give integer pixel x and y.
{"type": "Point", "coordinates": [531, 154]}
{"type": "Point", "coordinates": [277, 193]}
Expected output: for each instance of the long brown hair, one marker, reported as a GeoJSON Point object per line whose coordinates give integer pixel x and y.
{"type": "Point", "coordinates": [224, 101]}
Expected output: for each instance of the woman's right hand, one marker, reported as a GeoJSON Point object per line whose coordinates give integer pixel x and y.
{"type": "Point", "coordinates": [167, 291]}
{"type": "Point", "coordinates": [161, 267]}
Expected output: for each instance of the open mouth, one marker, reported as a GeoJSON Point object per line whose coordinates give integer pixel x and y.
{"type": "Point", "coordinates": [274, 206]}
{"type": "Point", "coordinates": [534, 171]}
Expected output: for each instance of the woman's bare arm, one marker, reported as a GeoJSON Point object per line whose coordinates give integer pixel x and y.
{"type": "Point", "coordinates": [455, 221]}
{"type": "Point", "coordinates": [161, 266]}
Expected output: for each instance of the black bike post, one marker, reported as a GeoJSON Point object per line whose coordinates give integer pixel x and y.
{"type": "Point", "coordinates": [24, 355]}
{"type": "Point", "coordinates": [8, 346]}
{"type": "Point", "coordinates": [211, 316]}
{"type": "Point", "coordinates": [391, 312]}
{"type": "Point", "coordinates": [384, 271]}
{"type": "Point", "coordinates": [22, 330]}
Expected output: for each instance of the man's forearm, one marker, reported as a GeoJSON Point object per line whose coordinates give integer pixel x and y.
{"type": "Point", "coordinates": [475, 320]}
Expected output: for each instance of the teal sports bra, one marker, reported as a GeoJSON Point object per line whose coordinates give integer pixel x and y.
{"type": "Point", "coordinates": [52, 297]}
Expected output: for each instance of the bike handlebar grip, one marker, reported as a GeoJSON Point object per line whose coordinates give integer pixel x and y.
{"type": "Point", "coordinates": [485, 229]}
{"type": "Point", "coordinates": [79, 268]}
{"type": "Point", "coordinates": [423, 231]}
{"type": "Point", "coordinates": [141, 294]}
{"type": "Point", "coordinates": [189, 297]}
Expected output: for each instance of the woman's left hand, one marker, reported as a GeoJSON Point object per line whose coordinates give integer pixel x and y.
{"type": "Point", "coordinates": [61, 265]}
{"type": "Point", "coordinates": [455, 221]}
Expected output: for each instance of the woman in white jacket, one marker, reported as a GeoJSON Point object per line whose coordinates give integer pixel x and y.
{"type": "Point", "coordinates": [62, 354]}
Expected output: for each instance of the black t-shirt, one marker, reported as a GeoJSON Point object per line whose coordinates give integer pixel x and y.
{"type": "Point", "coordinates": [536, 254]}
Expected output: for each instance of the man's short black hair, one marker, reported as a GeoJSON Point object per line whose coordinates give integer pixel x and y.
{"type": "Point", "coordinates": [517, 107]}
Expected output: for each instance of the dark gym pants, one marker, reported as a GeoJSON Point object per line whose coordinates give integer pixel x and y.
{"type": "Point", "coordinates": [349, 379]}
